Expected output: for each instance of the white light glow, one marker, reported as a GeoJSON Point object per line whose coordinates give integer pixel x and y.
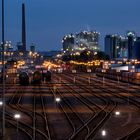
{"type": "Point", "coordinates": [17, 116]}
{"type": "Point", "coordinates": [117, 113]}
{"type": "Point", "coordinates": [57, 99]}
{"type": "Point", "coordinates": [1, 103]}
{"type": "Point", "coordinates": [103, 133]}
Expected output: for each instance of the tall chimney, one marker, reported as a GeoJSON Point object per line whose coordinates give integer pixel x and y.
{"type": "Point", "coordinates": [23, 28]}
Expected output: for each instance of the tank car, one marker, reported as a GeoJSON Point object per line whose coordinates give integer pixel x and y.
{"type": "Point", "coordinates": [23, 78]}
{"type": "Point", "coordinates": [37, 77]}
{"type": "Point", "coordinates": [47, 76]}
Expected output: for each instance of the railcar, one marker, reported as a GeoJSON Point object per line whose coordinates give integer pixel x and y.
{"type": "Point", "coordinates": [48, 76]}
{"type": "Point", "coordinates": [37, 77]}
{"type": "Point", "coordinates": [124, 76]}
{"type": "Point", "coordinates": [23, 78]}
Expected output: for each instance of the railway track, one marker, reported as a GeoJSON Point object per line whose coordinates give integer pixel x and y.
{"type": "Point", "coordinates": [75, 117]}
{"type": "Point", "coordinates": [30, 116]}
{"type": "Point", "coordinates": [38, 108]}
{"type": "Point", "coordinates": [96, 121]}
{"type": "Point", "coordinates": [135, 134]}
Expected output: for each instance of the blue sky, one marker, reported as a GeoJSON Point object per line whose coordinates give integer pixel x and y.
{"type": "Point", "coordinates": [49, 20]}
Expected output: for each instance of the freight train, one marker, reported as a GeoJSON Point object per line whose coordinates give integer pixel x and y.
{"type": "Point", "coordinates": [35, 78]}
{"type": "Point", "coordinates": [124, 76]}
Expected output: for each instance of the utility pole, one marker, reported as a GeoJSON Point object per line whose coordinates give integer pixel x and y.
{"type": "Point", "coordinates": [3, 72]}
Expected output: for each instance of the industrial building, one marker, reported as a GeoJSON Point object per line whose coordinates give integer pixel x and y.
{"type": "Point", "coordinates": [118, 47]}
{"type": "Point", "coordinates": [85, 40]}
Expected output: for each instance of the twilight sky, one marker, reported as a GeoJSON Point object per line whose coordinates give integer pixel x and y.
{"type": "Point", "coordinates": [49, 20]}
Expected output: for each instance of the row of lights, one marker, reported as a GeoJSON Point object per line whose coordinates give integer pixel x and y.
{"type": "Point", "coordinates": [48, 64]}
{"type": "Point", "coordinates": [92, 63]}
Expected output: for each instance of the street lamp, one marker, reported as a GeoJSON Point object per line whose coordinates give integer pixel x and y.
{"type": "Point", "coordinates": [103, 133]}
{"type": "Point", "coordinates": [3, 71]}
{"type": "Point", "coordinates": [57, 99]}
{"type": "Point", "coordinates": [117, 113]}
{"type": "Point", "coordinates": [1, 103]}
{"type": "Point", "coordinates": [17, 116]}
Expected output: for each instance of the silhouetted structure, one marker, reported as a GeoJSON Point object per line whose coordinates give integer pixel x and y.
{"type": "Point", "coordinates": [112, 44]}
{"type": "Point", "coordinates": [136, 49]}
{"type": "Point", "coordinates": [23, 29]}
{"type": "Point", "coordinates": [131, 40]}
{"type": "Point", "coordinates": [32, 48]}
{"type": "Point", "coordinates": [68, 42]}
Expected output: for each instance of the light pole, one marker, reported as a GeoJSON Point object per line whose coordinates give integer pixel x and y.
{"type": "Point", "coordinates": [3, 72]}
{"type": "Point", "coordinates": [128, 88]}
{"type": "Point", "coordinates": [117, 113]}
{"type": "Point", "coordinates": [103, 71]}
{"type": "Point", "coordinates": [103, 133]}
{"type": "Point", "coordinates": [34, 124]}
{"type": "Point", "coordinates": [57, 99]}
{"type": "Point", "coordinates": [89, 79]}
{"type": "Point", "coordinates": [1, 104]}
{"type": "Point", "coordinates": [17, 117]}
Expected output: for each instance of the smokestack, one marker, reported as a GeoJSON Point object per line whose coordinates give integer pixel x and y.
{"type": "Point", "coordinates": [23, 28]}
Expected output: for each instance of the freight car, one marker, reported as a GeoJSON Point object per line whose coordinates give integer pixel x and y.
{"type": "Point", "coordinates": [124, 76]}
{"type": "Point", "coordinates": [23, 78]}
{"type": "Point", "coordinates": [47, 76]}
{"type": "Point", "coordinates": [37, 77]}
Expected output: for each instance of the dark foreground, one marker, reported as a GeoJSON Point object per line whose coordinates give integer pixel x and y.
{"type": "Point", "coordinates": [90, 108]}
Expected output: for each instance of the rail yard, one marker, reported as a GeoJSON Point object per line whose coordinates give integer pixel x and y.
{"type": "Point", "coordinates": [72, 107]}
